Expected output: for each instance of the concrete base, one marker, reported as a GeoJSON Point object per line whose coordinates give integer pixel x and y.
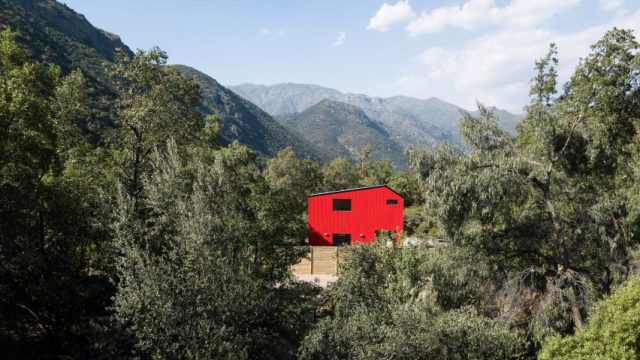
{"type": "Point", "coordinates": [320, 280]}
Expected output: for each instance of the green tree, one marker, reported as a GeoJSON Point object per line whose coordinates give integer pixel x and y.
{"type": "Point", "coordinates": [543, 85]}
{"type": "Point", "coordinates": [297, 177]}
{"type": "Point", "coordinates": [613, 331]}
{"type": "Point", "coordinates": [548, 207]}
{"type": "Point", "coordinates": [216, 282]}
{"type": "Point", "coordinates": [406, 184]}
{"type": "Point", "coordinates": [373, 172]}
{"type": "Point", "coordinates": [50, 217]}
{"type": "Point", "coordinates": [394, 302]}
{"type": "Point", "coordinates": [155, 103]}
{"type": "Point", "coordinates": [340, 174]}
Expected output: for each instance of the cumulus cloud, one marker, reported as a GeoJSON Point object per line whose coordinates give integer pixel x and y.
{"type": "Point", "coordinates": [342, 36]}
{"type": "Point", "coordinates": [389, 15]}
{"type": "Point", "coordinates": [496, 66]}
{"type": "Point", "coordinates": [476, 14]}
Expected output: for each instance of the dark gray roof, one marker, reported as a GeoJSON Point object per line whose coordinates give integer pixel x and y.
{"type": "Point", "coordinates": [355, 189]}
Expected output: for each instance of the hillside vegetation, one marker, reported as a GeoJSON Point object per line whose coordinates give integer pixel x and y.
{"type": "Point", "coordinates": [241, 120]}
{"type": "Point", "coordinates": [54, 33]}
{"type": "Point", "coordinates": [344, 130]}
{"type": "Point", "coordinates": [160, 241]}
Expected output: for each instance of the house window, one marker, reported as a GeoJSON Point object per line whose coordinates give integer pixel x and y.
{"type": "Point", "coordinates": [341, 204]}
{"type": "Point", "coordinates": [392, 202]}
{"type": "Point", "coordinates": [341, 239]}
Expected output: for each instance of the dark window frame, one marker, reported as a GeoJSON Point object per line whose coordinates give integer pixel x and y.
{"type": "Point", "coordinates": [392, 201]}
{"type": "Point", "coordinates": [340, 239]}
{"type": "Point", "coordinates": [341, 205]}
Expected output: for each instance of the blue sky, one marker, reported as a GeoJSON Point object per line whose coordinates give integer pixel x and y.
{"type": "Point", "coordinates": [455, 50]}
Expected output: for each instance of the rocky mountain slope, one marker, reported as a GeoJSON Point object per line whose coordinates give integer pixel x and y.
{"type": "Point", "coordinates": [244, 121]}
{"type": "Point", "coordinates": [409, 121]}
{"type": "Point", "coordinates": [54, 33]}
{"type": "Point", "coordinates": [344, 130]}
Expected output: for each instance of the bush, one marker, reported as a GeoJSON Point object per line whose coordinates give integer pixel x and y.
{"type": "Point", "coordinates": [613, 331]}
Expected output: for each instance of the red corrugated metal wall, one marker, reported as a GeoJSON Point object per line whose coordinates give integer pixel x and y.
{"type": "Point", "coordinates": [369, 213]}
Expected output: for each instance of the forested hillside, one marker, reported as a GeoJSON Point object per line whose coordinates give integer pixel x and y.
{"type": "Point", "coordinates": [344, 130]}
{"type": "Point", "coordinates": [160, 241]}
{"type": "Point", "coordinates": [241, 120]}
{"type": "Point", "coordinates": [54, 33]}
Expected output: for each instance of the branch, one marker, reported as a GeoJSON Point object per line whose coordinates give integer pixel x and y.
{"type": "Point", "coordinates": [575, 123]}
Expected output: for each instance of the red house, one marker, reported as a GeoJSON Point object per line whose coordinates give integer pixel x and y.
{"type": "Point", "coordinates": [353, 215]}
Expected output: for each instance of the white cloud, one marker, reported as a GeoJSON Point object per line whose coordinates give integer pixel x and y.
{"type": "Point", "coordinates": [476, 14]}
{"type": "Point", "coordinates": [388, 15]}
{"type": "Point", "coordinates": [265, 31]}
{"type": "Point", "coordinates": [496, 66]}
{"type": "Point", "coordinates": [471, 15]}
{"type": "Point", "coordinates": [342, 36]}
{"type": "Point", "coordinates": [611, 5]}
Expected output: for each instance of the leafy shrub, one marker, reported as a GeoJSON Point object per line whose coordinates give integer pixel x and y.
{"type": "Point", "coordinates": [613, 331]}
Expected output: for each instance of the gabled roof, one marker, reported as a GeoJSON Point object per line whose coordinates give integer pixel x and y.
{"type": "Point", "coordinates": [356, 189]}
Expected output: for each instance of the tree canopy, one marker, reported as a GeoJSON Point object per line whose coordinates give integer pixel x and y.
{"type": "Point", "coordinates": [159, 241]}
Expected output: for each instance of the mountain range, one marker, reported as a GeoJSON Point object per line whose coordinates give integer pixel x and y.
{"type": "Point", "coordinates": [317, 122]}
{"type": "Point", "coordinates": [407, 121]}
{"type": "Point", "coordinates": [54, 33]}
{"type": "Point", "coordinates": [344, 130]}
{"type": "Point", "coordinates": [244, 121]}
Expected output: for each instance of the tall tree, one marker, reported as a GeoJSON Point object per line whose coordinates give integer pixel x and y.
{"type": "Point", "coordinates": [549, 206]}
{"type": "Point", "coordinates": [155, 103]}
{"type": "Point", "coordinates": [216, 284]}
{"type": "Point", "coordinates": [297, 177]}
{"type": "Point", "coordinates": [543, 85]}
{"type": "Point", "coordinates": [340, 174]}
{"type": "Point", "coordinates": [50, 233]}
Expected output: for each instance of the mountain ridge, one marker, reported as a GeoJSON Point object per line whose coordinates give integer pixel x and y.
{"type": "Point", "coordinates": [54, 33]}
{"type": "Point", "coordinates": [245, 121]}
{"type": "Point", "coordinates": [344, 130]}
{"type": "Point", "coordinates": [410, 121]}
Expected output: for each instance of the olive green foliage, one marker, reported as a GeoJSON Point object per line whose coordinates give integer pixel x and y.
{"type": "Point", "coordinates": [166, 239]}
{"type": "Point", "coordinates": [155, 103]}
{"type": "Point", "coordinates": [416, 222]}
{"type": "Point", "coordinates": [341, 173]}
{"type": "Point", "coordinates": [194, 237]}
{"type": "Point", "coordinates": [393, 302]}
{"type": "Point", "coordinates": [405, 334]}
{"type": "Point", "coordinates": [406, 184]}
{"type": "Point", "coordinates": [50, 232]}
{"type": "Point", "coordinates": [298, 178]}
{"type": "Point", "coordinates": [207, 289]}
{"type": "Point", "coordinates": [552, 206]}
{"type": "Point", "coordinates": [344, 130]}
{"type": "Point", "coordinates": [613, 331]}
{"type": "Point", "coordinates": [204, 240]}
{"type": "Point", "coordinates": [543, 85]}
